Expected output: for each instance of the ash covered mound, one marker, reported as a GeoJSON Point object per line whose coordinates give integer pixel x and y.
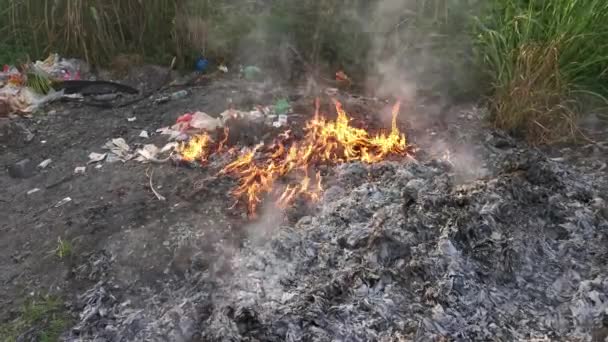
{"type": "Point", "coordinates": [397, 251]}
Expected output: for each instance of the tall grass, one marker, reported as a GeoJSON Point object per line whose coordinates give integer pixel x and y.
{"type": "Point", "coordinates": [337, 33]}
{"type": "Point", "coordinates": [539, 55]}
{"type": "Point", "coordinates": [91, 29]}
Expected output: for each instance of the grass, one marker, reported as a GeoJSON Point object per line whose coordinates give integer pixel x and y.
{"type": "Point", "coordinates": [539, 56]}
{"type": "Point", "coordinates": [92, 29]}
{"type": "Point", "coordinates": [64, 249]}
{"type": "Point", "coordinates": [43, 319]}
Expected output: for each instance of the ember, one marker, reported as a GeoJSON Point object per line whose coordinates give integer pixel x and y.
{"type": "Point", "coordinates": [324, 142]}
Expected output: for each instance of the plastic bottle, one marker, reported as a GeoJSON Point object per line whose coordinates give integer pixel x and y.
{"type": "Point", "coordinates": [179, 95]}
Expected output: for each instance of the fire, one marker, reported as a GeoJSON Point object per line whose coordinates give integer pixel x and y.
{"type": "Point", "coordinates": [325, 142]}
{"type": "Point", "coordinates": [196, 148]}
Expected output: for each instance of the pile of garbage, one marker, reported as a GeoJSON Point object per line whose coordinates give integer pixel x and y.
{"type": "Point", "coordinates": [397, 251]}
{"type": "Point", "coordinates": [190, 124]}
{"type": "Point", "coordinates": [25, 89]}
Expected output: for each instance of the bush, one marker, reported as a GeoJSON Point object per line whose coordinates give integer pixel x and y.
{"type": "Point", "coordinates": [539, 56]}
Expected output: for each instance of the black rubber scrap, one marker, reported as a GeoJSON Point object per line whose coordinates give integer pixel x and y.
{"type": "Point", "coordinates": [22, 169]}
{"type": "Point", "coordinates": [85, 87]}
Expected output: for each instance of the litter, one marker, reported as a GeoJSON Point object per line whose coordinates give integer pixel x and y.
{"type": "Point", "coordinates": [144, 134]}
{"type": "Point", "coordinates": [169, 147]}
{"type": "Point", "coordinates": [174, 96]}
{"type": "Point", "coordinates": [229, 114]}
{"type": "Point", "coordinates": [25, 92]}
{"type": "Point", "coordinates": [184, 118]}
{"type": "Point", "coordinates": [331, 91]}
{"type": "Point", "coordinates": [60, 68]}
{"type": "Point", "coordinates": [119, 150]}
{"type": "Point", "coordinates": [34, 190]}
{"type": "Point", "coordinates": [283, 119]}
{"type": "Point", "coordinates": [342, 77]}
{"type": "Point", "coordinates": [96, 157]}
{"type": "Point", "coordinates": [254, 115]}
{"type": "Point", "coordinates": [150, 153]}
{"type": "Point", "coordinates": [223, 68]}
{"type": "Point", "coordinates": [251, 72]}
{"type": "Point", "coordinates": [282, 106]}
{"type": "Point", "coordinates": [191, 123]}
{"type": "Point", "coordinates": [44, 163]}
{"type": "Point", "coordinates": [80, 170]}
{"type": "Point", "coordinates": [179, 94]}
{"type": "Point", "coordinates": [162, 99]}
{"type": "Point", "coordinates": [25, 100]}
{"type": "Point", "coordinates": [132, 119]}
{"type": "Point", "coordinates": [202, 120]}
{"type": "Point", "coordinates": [172, 133]}
{"type": "Point", "coordinates": [201, 64]}
{"type": "Point", "coordinates": [63, 202]}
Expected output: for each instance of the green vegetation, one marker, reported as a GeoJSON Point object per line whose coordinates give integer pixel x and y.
{"type": "Point", "coordinates": [43, 319]}
{"type": "Point", "coordinates": [533, 58]}
{"type": "Point", "coordinates": [39, 82]}
{"type": "Point", "coordinates": [539, 56]}
{"type": "Point", "coordinates": [64, 249]}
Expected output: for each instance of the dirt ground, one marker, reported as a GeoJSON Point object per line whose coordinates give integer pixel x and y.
{"type": "Point", "coordinates": [112, 209]}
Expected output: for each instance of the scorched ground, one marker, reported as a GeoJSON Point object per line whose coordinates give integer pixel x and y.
{"type": "Point", "coordinates": [491, 241]}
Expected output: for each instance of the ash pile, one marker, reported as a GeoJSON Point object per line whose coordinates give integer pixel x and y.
{"type": "Point", "coordinates": [396, 251]}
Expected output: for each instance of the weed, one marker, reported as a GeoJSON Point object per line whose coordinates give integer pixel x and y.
{"type": "Point", "coordinates": [64, 249]}
{"type": "Point", "coordinates": [539, 55]}
{"type": "Point", "coordinates": [43, 319]}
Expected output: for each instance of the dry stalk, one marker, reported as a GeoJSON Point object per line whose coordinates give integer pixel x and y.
{"type": "Point", "coordinates": [158, 196]}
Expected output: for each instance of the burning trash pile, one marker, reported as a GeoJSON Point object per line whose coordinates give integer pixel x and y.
{"type": "Point", "coordinates": [396, 252]}
{"type": "Point", "coordinates": [294, 161]}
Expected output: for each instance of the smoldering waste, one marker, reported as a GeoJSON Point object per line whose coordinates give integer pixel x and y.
{"type": "Point", "coordinates": [396, 252]}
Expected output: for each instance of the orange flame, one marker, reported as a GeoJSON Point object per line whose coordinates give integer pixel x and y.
{"type": "Point", "coordinates": [196, 148]}
{"type": "Point", "coordinates": [325, 141]}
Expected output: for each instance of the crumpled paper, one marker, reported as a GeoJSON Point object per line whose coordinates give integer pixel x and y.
{"type": "Point", "coordinates": [119, 150]}
{"type": "Point", "coordinates": [151, 153]}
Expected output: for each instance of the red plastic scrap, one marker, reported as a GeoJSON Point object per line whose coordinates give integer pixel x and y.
{"type": "Point", "coordinates": [184, 118]}
{"type": "Point", "coordinates": [341, 76]}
